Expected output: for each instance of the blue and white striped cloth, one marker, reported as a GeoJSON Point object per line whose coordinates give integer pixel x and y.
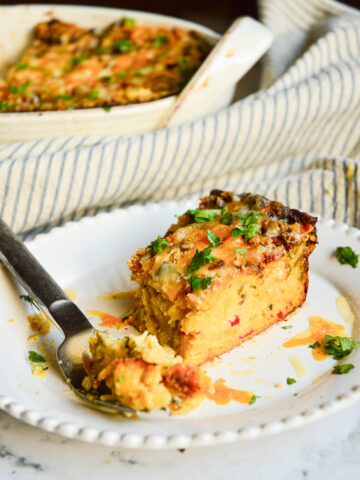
{"type": "Point", "coordinates": [296, 140]}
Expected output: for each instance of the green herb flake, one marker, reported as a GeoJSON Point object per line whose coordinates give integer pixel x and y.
{"type": "Point", "coordinates": [160, 41]}
{"type": "Point", "coordinates": [248, 226]}
{"type": "Point", "coordinates": [226, 219]}
{"type": "Point", "coordinates": [241, 251]}
{"type": "Point", "coordinates": [123, 45]}
{"type": "Point", "coordinates": [250, 218]}
{"type": "Point", "coordinates": [76, 60]}
{"type": "Point", "coordinates": [158, 245]}
{"type": "Point", "coordinates": [129, 22]}
{"type": "Point", "coordinates": [200, 259]}
{"type": "Point", "coordinates": [120, 379]}
{"type": "Point", "coordinates": [21, 66]}
{"type": "Point", "coordinates": [45, 368]}
{"type": "Point", "coordinates": [203, 215]}
{"type": "Point", "coordinates": [93, 95]}
{"type": "Point", "coordinates": [36, 357]}
{"type": "Point", "coordinates": [342, 369]}
{"type": "Point", "coordinates": [66, 97]}
{"type": "Point", "coordinates": [182, 62]}
{"type": "Point", "coordinates": [290, 380]}
{"type": "Point", "coordinates": [5, 105]}
{"type": "Point", "coordinates": [107, 109]}
{"type": "Point", "coordinates": [314, 345]}
{"type": "Point", "coordinates": [253, 399]}
{"type": "Point", "coordinates": [213, 239]}
{"type": "Point", "coordinates": [19, 88]}
{"type": "Point", "coordinates": [198, 283]}
{"type": "Point", "coordinates": [347, 256]}
{"type": "Point", "coordinates": [30, 300]}
{"type": "Point", "coordinates": [287, 327]}
{"type": "Point", "coordinates": [108, 79]}
{"type": "Point", "coordinates": [339, 347]}
{"type": "Point", "coordinates": [248, 232]}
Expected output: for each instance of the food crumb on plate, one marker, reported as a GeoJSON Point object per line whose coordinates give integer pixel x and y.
{"type": "Point", "coordinates": [34, 338]}
{"type": "Point", "coordinates": [39, 372]}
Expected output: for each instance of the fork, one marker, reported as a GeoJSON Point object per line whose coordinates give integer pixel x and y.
{"type": "Point", "coordinates": [54, 302]}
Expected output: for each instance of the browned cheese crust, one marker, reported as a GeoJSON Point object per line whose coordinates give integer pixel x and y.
{"type": "Point", "coordinates": [204, 295]}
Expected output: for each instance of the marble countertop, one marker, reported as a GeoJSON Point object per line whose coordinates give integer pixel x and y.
{"type": "Point", "coordinates": [328, 449]}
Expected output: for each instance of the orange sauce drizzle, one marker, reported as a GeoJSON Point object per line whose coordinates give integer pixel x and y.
{"type": "Point", "coordinates": [319, 327]}
{"type": "Point", "coordinates": [108, 320]}
{"type": "Point", "coordinates": [221, 394]}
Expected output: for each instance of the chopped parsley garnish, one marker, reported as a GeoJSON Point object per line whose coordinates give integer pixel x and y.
{"type": "Point", "coordinates": [76, 60]}
{"type": "Point", "coordinates": [30, 300]}
{"type": "Point", "coordinates": [342, 369]}
{"type": "Point", "coordinates": [253, 399]}
{"type": "Point", "coordinates": [129, 22]}
{"type": "Point", "coordinates": [64, 97]}
{"type": "Point", "coordinates": [248, 232]}
{"type": "Point", "coordinates": [242, 251]}
{"type": "Point", "coordinates": [213, 239]}
{"type": "Point", "coordinates": [290, 381]}
{"type": "Point", "coordinates": [248, 226]}
{"type": "Point", "coordinates": [158, 245]}
{"type": "Point", "coordinates": [120, 379]}
{"type": "Point", "coordinates": [107, 109]}
{"type": "Point", "coordinates": [198, 283]}
{"type": "Point", "coordinates": [93, 95]}
{"type": "Point", "coordinates": [347, 256]}
{"type": "Point", "coordinates": [250, 218]}
{"type": "Point", "coordinates": [123, 45]}
{"type": "Point", "coordinates": [21, 66]}
{"type": "Point", "coordinates": [108, 79]}
{"type": "Point", "coordinates": [203, 215]}
{"type": "Point", "coordinates": [19, 88]}
{"type": "Point", "coordinates": [4, 105]}
{"type": "Point", "coordinates": [339, 347]}
{"type": "Point", "coordinates": [226, 219]}
{"type": "Point", "coordinates": [287, 327]}
{"type": "Point", "coordinates": [36, 357]}
{"type": "Point", "coordinates": [159, 41]}
{"type": "Point", "coordinates": [182, 62]}
{"type": "Point", "coordinates": [200, 259]}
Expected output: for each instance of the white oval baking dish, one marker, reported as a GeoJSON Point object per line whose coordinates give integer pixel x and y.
{"type": "Point", "coordinates": [16, 25]}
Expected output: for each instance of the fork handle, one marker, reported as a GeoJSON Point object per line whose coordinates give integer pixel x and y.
{"type": "Point", "coordinates": [39, 284]}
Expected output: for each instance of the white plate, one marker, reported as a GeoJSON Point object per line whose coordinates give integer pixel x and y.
{"type": "Point", "coordinates": [90, 256]}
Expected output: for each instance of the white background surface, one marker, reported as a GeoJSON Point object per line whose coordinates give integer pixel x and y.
{"type": "Point", "coordinates": [325, 450]}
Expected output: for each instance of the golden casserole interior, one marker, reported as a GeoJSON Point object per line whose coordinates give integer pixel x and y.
{"type": "Point", "coordinates": [222, 274]}
{"type": "Point", "coordinates": [141, 374]}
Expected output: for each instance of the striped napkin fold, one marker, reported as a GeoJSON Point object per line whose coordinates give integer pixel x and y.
{"type": "Point", "coordinates": [297, 140]}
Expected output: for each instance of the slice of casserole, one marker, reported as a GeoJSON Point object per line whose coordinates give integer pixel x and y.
{"type": "Point", "coordinates": [222, 274]}
{"type": "Point", "coordinates": [141, 374]}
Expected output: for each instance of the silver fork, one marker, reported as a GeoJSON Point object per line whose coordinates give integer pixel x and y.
{"type": "Point", "coordinates": [54, 302]}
